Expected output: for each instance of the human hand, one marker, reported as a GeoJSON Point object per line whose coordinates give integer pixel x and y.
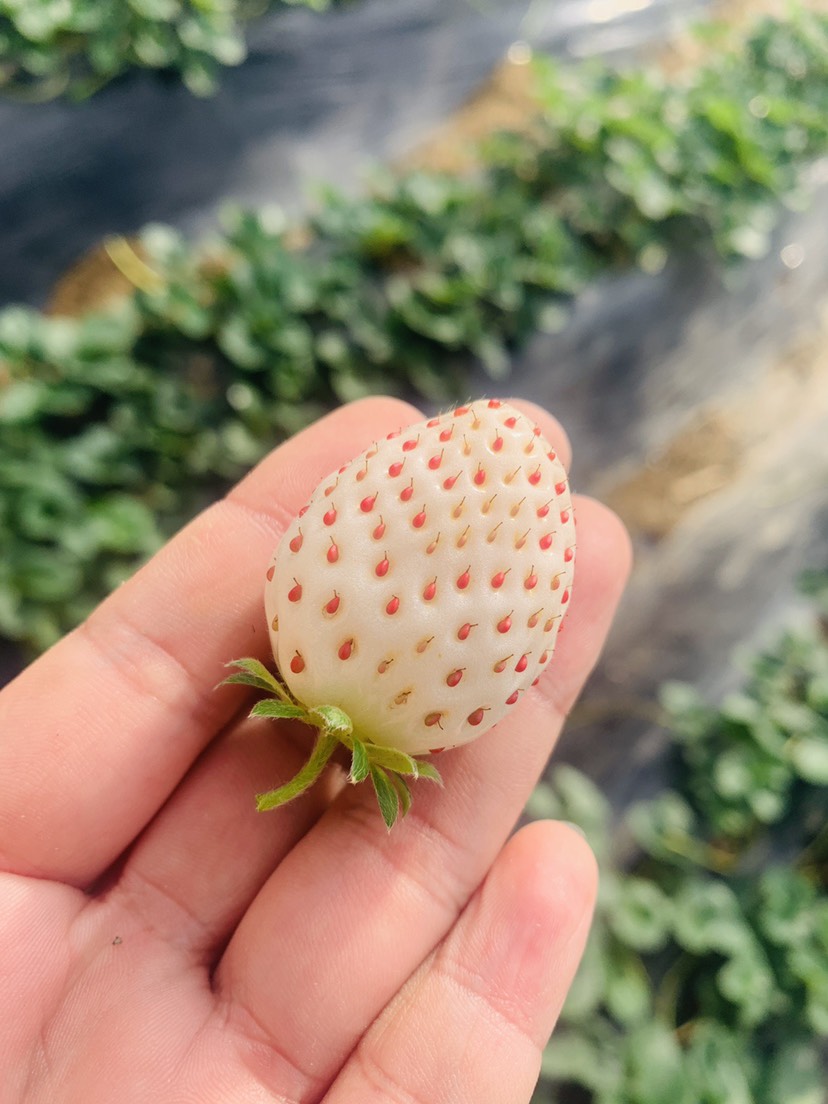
{"type": "Point", "coordinates": [162, 942]}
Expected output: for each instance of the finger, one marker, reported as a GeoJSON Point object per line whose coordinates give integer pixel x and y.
{"type": "Point", "coordinates": [472, 1022]}
{"type": "Point", "coordinates": [191, 852]}
{"type": "Point", "coordinates": [98, 732]}
{"type": "Point", "coordinates": [355, 903]}
{"type": "Point", "coordinates": [192, 874]}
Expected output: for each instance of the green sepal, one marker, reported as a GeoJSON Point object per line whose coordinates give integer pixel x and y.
{"type": "Point", "coordinates": [393, 760]}
{"type": "Point", "coordinates": [269, 707]}
{"type": "Point", "coordinates": [385, 765]}
{"type": "Point", "coordinates": [429, 771]}
{"type": "Point", "coordinates": [403, 792]}
{"type": "Point", "coordinates": [387, 796]}
{"type": "Point", "coordinates": [252, 672]}
{"type": "Point", "coordinates": [323, 749]}
{"type": "Point", "coordinates": [360, 766]}
{"type": "Point", "coordinates": [332, 719]}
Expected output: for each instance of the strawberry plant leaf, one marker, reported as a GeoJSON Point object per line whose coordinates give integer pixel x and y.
{"type": "Point", "coordinates": [387, 796]}
{"type": "Point", "coordinates": [809, 756]}
{"type": "Point", "coordinates": [707, 917]}
{"type": "Point", "coordinates": [642, 914]}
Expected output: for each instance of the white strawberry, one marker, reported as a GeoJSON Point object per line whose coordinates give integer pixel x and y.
{"type": "Point", "coordinates": [419, 594]}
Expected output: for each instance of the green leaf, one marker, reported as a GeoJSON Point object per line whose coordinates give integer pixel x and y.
{"type": "Point", "coordinates": [664, 827]}
{"type": "Point", "coordinates": [641, 914]}
{"type": "Point", "coordinates": [707, 917]}
{"type": "Point", "coordinates": [809, 756]}
{"type": "Point", "coordinates": [787, 916]}
{"type": "Point", "coordinates": [587, 990]}
{"type": "Point", "coordinates": [628, 995]}
{"type": "Point", "coordinates": [544, 803]}
{"type": "Point", "coordinates": [747, 980]}
{"type": "Point", "coordinates": [655, 1068]}
{"type": "Point", "coordinates": [581, 801]}
{"type": "Point", "coordinates": [795, 1075]}
{"type": "Point", "coordinates": [573, 1057]}
{"type": "Point", "coordinates": [387, 796]}
{"type": "Point", "coordinates": [717, 1066]}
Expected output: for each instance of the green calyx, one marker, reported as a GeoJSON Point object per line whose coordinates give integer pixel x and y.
{"type": "Point", "coordinates": [389, 769]}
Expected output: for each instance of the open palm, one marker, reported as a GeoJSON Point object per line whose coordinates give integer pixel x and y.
{"type": "Point", "coordinates": [162, 942]}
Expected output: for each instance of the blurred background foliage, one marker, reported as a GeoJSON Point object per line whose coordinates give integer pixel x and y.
{"type": "Point", "coordinates": [54, 47]}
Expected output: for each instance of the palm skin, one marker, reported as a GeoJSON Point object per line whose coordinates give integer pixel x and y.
{"type": "Point", "coordinates": [162, 942]}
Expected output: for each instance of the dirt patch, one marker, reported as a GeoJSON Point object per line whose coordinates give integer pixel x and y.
{"type": "Point", "coordinates": [507, 101]}
{"type": "Point", "coordinates": [95, 281]}
{"type": "Point", "coordinates": [741, 440]}
{"type": "Point", "coordinates": [699, 461]}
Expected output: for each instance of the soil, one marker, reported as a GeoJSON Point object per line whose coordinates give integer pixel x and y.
{"type": "Point", "coordinates": [736, 443]}
{"type": "Point", "coordinates": [93, 282]}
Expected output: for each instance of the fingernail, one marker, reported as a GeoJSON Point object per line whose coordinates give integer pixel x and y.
{"type": "Point", "coordinates": [575, 828]}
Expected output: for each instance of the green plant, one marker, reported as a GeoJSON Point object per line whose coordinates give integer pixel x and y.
{"type": "Point", "coordinates": [117, 427]}
{"type": "Point", "coordinates": [706, 975]}
{"type": "Point", "coordinates": [48, 47]}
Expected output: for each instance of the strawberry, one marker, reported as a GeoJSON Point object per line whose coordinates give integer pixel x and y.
{"type": "Point", "coordinates": [418, 595]}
